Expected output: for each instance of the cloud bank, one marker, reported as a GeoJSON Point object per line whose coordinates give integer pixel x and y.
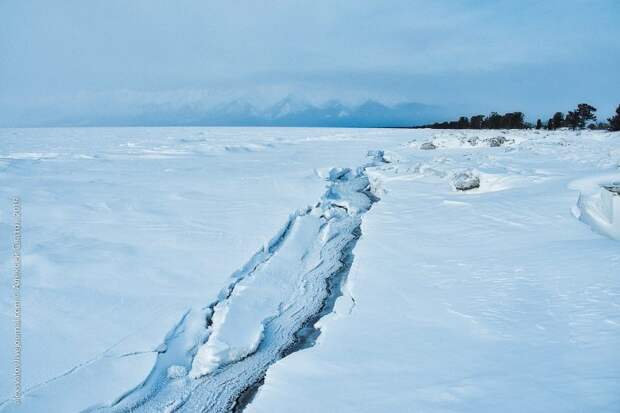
{"type": "Point", "coordinates": [101, 59]}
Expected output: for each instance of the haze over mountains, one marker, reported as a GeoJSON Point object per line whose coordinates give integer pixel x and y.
{"type": "Point", "coordinates": [289, 111]}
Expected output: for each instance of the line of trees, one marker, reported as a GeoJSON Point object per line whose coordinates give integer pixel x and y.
{"type": "Point", "coordinates": [581, 117]}
{"type": "Point", "coordinates": [575, 119]}
{"type": "Point", "coordinates": [512, 120]}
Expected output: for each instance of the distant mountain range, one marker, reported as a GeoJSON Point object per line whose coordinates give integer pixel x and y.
{"type": "Point", "coordinates": [286, 112]}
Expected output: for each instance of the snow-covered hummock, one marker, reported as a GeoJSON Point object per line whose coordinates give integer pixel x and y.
{"type": "Point", "coordinates": [599, 204]}
{"type": "Point", "coordinates": [504, 297]}
{"type": "Point", "coordinates": [465, 180]}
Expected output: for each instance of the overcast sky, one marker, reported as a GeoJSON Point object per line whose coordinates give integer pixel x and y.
{"type": "Point", "coordinates": [89, 57]}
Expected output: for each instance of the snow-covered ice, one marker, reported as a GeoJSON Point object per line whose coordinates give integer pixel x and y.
{"type": "Point", "coordinates": [488, 300]}
{"type": "Point", "coordinates": [159, 263]}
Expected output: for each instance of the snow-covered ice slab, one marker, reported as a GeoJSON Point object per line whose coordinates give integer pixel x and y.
{"type": "Point", "coordinates": [239, 322]}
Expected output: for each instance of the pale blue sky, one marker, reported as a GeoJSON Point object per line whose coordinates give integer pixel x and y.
{"type": "Point", "coordinates": [91, 58]}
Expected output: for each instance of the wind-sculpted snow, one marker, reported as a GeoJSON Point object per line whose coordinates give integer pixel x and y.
{"type": "Point", "coordinates": [264, 314]}
{"type": "Point", "coordinates": [599, 203]}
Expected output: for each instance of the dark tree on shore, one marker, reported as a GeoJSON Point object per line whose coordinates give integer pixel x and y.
{"type": "Point", "coordinates": [477, 121]}
{"type": "Point", "coordinates": [463, 123]}
{"type": "Point", "coordinates": [494, 121]}
{"type": "Point", "coordinates": [539, 124]}
{"type": "Point", "coordinates": [572, 119]}
{"type": "Point", "coordinates": [614, 121]}
{"type": "Point", "coordinates": [550, 124]}
{"type": "Point", "coordinates": [586, 113]}
{"type": "Point", "coordinates": [576, 119]}
{"type": "Point", "coordinates": [514, 120]}
{"type": "Point", "coordinates": [557, 120]}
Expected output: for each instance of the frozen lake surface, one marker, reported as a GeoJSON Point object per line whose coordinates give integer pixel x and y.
{"type": "Point", "coordinates": [160, 265]}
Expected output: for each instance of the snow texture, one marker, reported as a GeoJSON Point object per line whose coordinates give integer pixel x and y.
{"type": "Point", "coordinates": [172, 269]}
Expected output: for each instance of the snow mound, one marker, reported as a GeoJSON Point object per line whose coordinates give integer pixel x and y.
{"type": "Point", "coordinates": [427, 146]}
{"type": "Point", "coordinates": [381, 156]}
{"type": "Point", "coordinates": [601, 211]}
{"type": "Point", "coordinates": [497, 141]}
{"type": "Point", "coordinates": [466, 180]}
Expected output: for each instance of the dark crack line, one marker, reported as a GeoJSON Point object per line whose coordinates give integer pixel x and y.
{"type": "Point", "coordinates": [247, 270]}
{"type": "Point", "coordinates": [308, 333]}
